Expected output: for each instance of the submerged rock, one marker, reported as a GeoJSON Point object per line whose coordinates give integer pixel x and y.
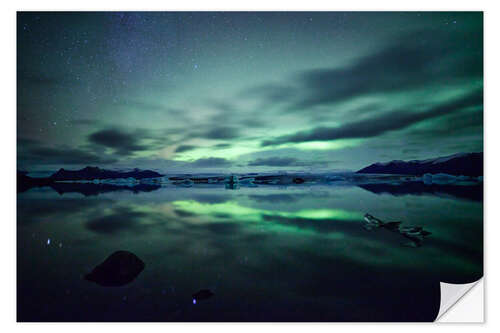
{"type": "Point", "coordinates": [202, 294]}
{"type": "Point", "coordinates": [118, 269]}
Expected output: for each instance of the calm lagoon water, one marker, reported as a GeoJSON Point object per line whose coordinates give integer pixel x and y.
{"type": "Point", "coordinates": [268, 253]}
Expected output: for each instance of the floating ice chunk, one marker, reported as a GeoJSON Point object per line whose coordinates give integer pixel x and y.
{"type": "Point", "coordinates": [442, 178]}
{"type": "Point", "coordinates": [415, 234]}
{"type": "Point", "coordinates": [427, 178]}
{"type": "Point", "coordinates": [184, 183]}
{"type": "Point", "coordinates": [247, 180]}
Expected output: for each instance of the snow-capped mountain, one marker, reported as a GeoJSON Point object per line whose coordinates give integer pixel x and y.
{"type": "Point", "coordinates": [466, 164]}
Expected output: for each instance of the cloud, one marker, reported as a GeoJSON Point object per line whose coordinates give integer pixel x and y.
{"type": "Point", "coordinates": [274, 161]}
{"type": "Point", "coordinates": [183, 148]}
{"type": "Point", "coordinates": [218, 228]}
{"type": "Point", "coordinates": [31, 152]}
{"type": "Point", "coordinates": [273, 92]}
{"type": "Point", "coordinates": [456, 125]}
{"type": "Point", "coordinates": [183, 213]}
{"type": "Point", "coordinates": [378, 125]}
{"type": "Point", "coordinates": [124, 143]}
{"type": "Point", "coordinates": [210, 162]}
{"type": "Point", "coordinates": [286, 162]}
{"type": "Point", "coordinates": [411, 61]}
{"type": "Point", "coordinates": [221, 133]}
{"type": "Point", "coordinates": [222, 146]}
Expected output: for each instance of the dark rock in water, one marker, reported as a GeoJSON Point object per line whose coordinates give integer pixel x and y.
{"type": "Point", "coordinates": [202, 294]}
{"type": "Point", "coordinates": [298, 180]}
{"type": "Point", "coordinates": [118, 269]}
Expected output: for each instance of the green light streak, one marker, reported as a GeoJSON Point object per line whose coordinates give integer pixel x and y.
{"type": "Point", "coordinates": [253, 214]}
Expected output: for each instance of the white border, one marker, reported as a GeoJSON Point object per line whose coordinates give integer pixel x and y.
{"type": "Point", "coordinates": [8, 139]}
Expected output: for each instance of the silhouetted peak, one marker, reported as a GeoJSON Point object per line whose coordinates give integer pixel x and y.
{"type": "Point", "coordinates": [90, 168]}
{"type": "Point", "coordinates": [90, 173]}
{"type": "Point", "coordinates": [466, 164]}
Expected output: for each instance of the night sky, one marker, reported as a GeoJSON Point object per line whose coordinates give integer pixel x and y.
{"type": "Point", "coordinates": [234, 92]}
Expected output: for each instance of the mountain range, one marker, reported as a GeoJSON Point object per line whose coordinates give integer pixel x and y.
{"type": "Point", "coordinates": [89, 173]}
{"type": "Point", "coordinates": [462, 164]}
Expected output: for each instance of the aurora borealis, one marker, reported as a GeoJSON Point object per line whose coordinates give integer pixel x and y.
{"type": "Point", "coordinates": [216, 91]}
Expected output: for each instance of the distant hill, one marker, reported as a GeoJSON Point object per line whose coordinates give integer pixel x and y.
{"type": "Point", "coordinates": [466, 164]}
{"type": "Point", "coordinates": [90, 173]}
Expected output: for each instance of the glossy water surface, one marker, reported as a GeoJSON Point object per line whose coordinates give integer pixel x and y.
{"type": "Point", "coordinates": [268, 253]}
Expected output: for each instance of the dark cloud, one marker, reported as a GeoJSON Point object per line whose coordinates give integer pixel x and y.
{"type": "Point", "coordinates": [183, 148]}
{"type": "Point", "coordinates": [286, 162]}
{"type": "Point", "coordinates": [375, 126]}
{"type": "Point", "coordinates": [30, 152]}
{"type": "Point", "coordinates": [122, 142]}
{"type": "Point", "coordinates": [183, 213]}
{"type": "Point", "coordinates": [234, 116]}
{"type": "Point", "coordinates": [221, 133]}
{"type": "Point", "coordinates": [210, 162]}
{"type": "Point", "coordinates": [222, 146]}
{"type": "Point", "coordinates": [455, 125]}
{"type": "Point", "coordinates": [274, 161]}
{"type": "Point", "coordinates": [230, 228]}
{"type": "Point", "coordinates": [412, 61]}
{"type": "Point", "coordinates": [273, 92]}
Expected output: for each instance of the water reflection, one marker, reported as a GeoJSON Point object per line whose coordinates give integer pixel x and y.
{"type": "Point", "coordinates": [296, 254]}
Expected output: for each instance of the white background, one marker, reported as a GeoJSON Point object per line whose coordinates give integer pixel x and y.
{"type": "Point", "coordinates": [8, 160]}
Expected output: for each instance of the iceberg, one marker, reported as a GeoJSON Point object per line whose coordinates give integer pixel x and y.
{"type": "Point", "coordinates": [415, 234]}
